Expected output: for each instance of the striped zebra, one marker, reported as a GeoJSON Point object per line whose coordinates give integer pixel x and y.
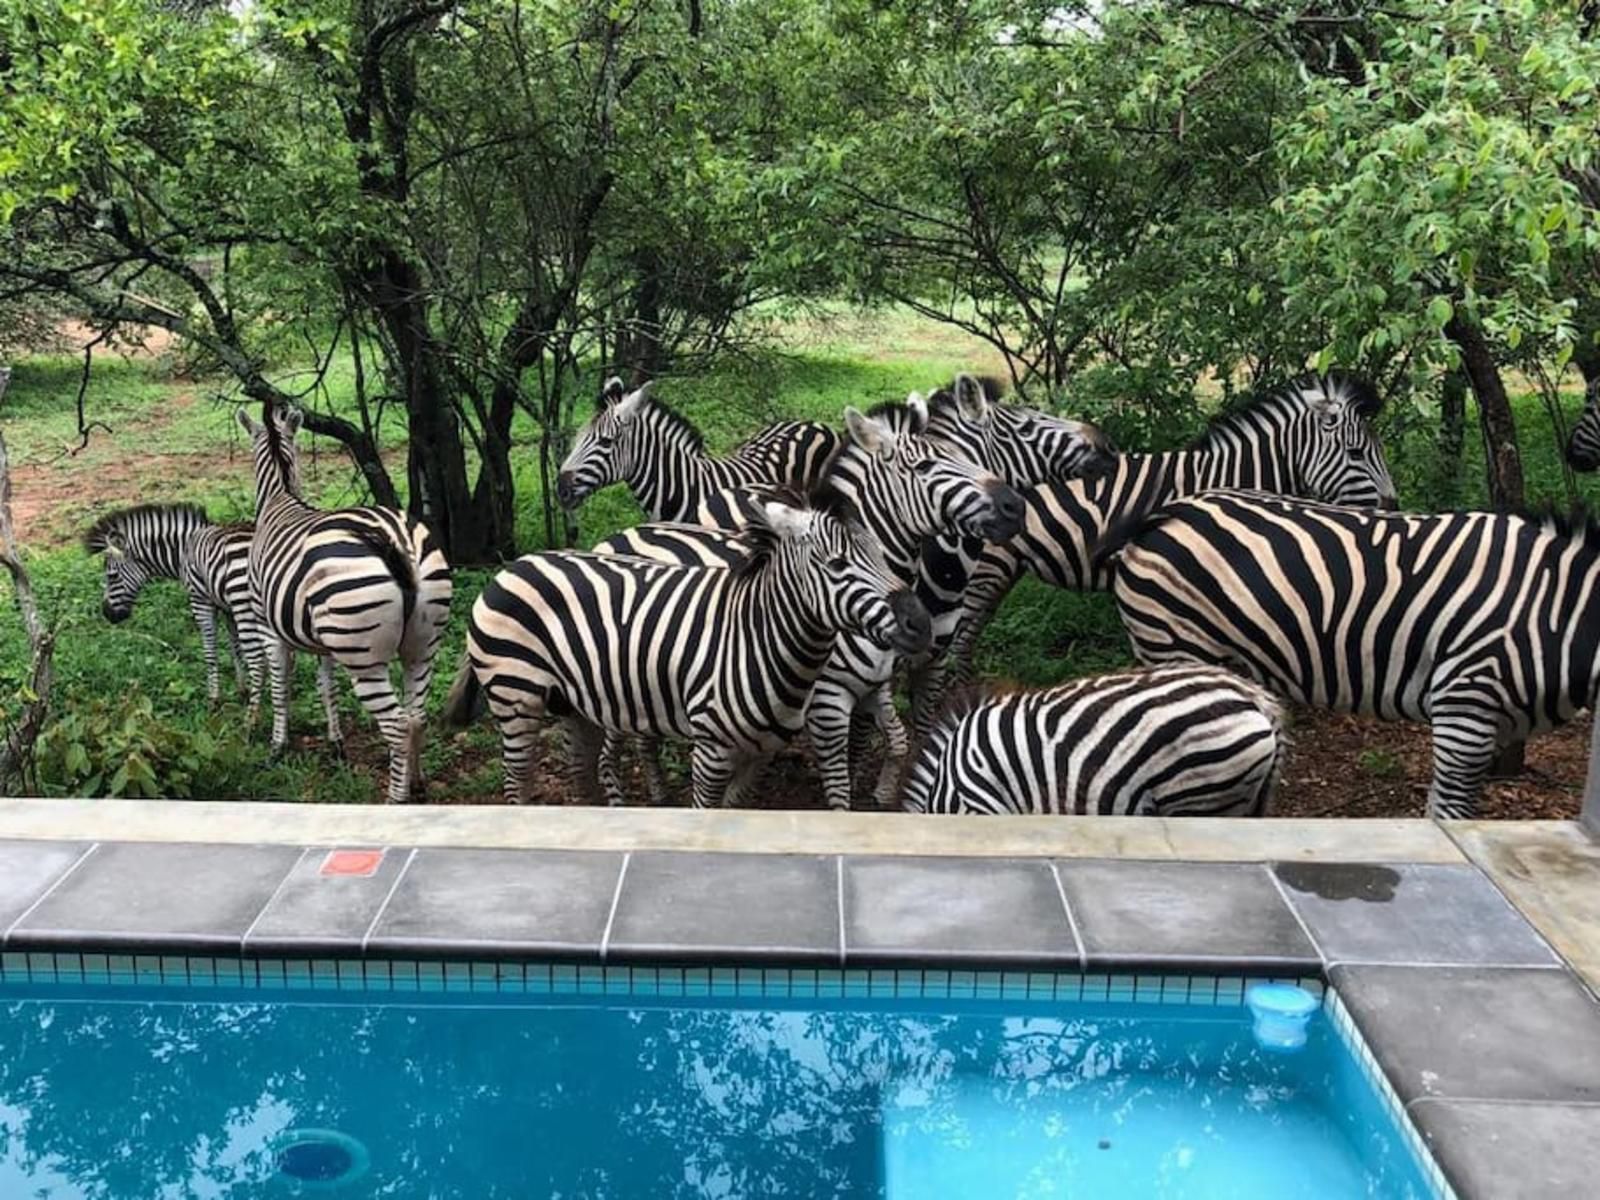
{"type": "Point", "coordinates": [1177, 741]}
{"type": "Point", "coordinates": [1583, 443]}
{"type": "Point", "coordinates": [360, 586]}
{"type": "Point", "coordinates": [722, 657]}
{"type": "Point", "coordinates": [1481, 624]}
{"type": "Point", "coordinates": [1309, 437]}
{"type": "Point", "coordinates": [178, 541]}
{"type": "Point", "coordinates": [636, 439]}
{"type": "Point", "coordinates": [905, 498]}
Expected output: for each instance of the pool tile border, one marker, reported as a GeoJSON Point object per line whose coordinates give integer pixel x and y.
{"type": "Point", "coordinates": [1087, 966]}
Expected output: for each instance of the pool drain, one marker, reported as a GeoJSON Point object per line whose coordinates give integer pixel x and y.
{"type": "Point", "coordinates": [319, 1158]}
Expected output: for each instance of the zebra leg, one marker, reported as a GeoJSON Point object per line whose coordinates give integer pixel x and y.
{"type": "Point", "coordinates": [655, 775]}
{"type": "Point", "coordinates": [712, 767]}
{"type": "Point", "coordinates": [375, 690]}
{"type": "Point", "coordinates": [828, 725]}
{"type": "Point", "coordinates": [518, 738]}
{"type": "Point", "coordinates": [206, 618]}
{"type": "Point", "coordinates": [280, 661]}
{"type": "Point", "coordinates": [241, 673]}
{"type": "Point", "coordinates": [326, 685]}
{"type": "Point", "coordinates": [415, 677]}
{"type": "Point", "coordinates": [881, 704]}
{"type": "Point", "coordinates": [609, 769]}
{"type": "Point", "coordinates": [746, 772]}
{"type": "Point", "coordinates": [585, 747]}
{"type": "Point", "coordinates": [251, 648]}
{"type": "Point", "coordinates": [1466, 740]}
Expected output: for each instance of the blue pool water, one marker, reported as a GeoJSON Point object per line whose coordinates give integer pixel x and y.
{"type": "Point", "coordinates": [139, 1093]}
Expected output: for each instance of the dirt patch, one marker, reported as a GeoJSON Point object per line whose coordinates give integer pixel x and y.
{"type": "Point", "coordinates": [131, 341]}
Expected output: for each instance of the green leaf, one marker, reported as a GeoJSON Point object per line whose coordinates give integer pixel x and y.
{"type": "Point", "coordinates": [1440, 310]}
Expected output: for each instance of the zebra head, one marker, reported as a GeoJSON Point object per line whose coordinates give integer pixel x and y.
{"type": "Point", "coordinates": [919, 485]}
{"type": "Point", "coordinates": [1023, 446]}
{"type": "Point", "coordinates": [838, 576]}
{"type": "Point", "coordinates": [1583, 447]}
{"type": "Point", "coordinates": [272, 448]}
{"type": "Point", "coordinates": [606, 449]}
{"type": "Point", "coordinates": [1340, 458]}
{"type": "Point", "coordinates": [140, 544]}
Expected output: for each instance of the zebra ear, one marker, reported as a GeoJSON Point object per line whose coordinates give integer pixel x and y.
{"type": "Point", "coordinates": [116, 547]}
{"type": "Point", "coordinates": [612, 392]}
{"type": "Point", "coordinates": [971, 400]}
{"type": "Point", "coordinates": [628, 406]}
{"type": "Point", "coordinates": [870, 434]}
{"type": "Point", "coordinates": [247, 422]}
{"type": "Point", "coordinates": [293, 418]}
{"type": "Point", "coordinates": [919, 409]}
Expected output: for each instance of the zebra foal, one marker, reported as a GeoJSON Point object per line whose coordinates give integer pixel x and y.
{"type": "Point", "coordinates": [1482, 624]}
{"type": "Point", "coordinates": [1178, 741]}
{"type": "Point", "coordinates": [722, 656]}
{"type": "Point", "coordinates": [360, 586]}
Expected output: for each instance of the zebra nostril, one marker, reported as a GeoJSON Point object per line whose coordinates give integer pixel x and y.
{"type": "Point", "coordinates": [566, 487]}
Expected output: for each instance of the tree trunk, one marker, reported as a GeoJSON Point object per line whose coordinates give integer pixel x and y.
{"type": "Point", "coordinates": [1452, 438]}
{"type": "Point", "coordinates": [16, 750]}
{"type": "Point", "coordinates": [1502, 459]}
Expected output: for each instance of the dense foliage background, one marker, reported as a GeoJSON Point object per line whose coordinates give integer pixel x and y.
{"type": "Point", "coordinates": [439, 224]}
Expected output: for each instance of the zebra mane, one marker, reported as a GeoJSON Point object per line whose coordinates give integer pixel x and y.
{"type": "Point", "coordinates": [674, 421]}
{"type": "Point", "coordinates": [763, 543]}
{"type": "Point", "coordinates": [97, 536]}
{"type": "Point", "coordinates": [898, 416]}
{"type": "Point", "coordinates": [1354, 390]}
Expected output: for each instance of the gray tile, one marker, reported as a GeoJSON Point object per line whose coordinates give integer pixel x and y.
{"type": "Point", "coordinates": [319, 909]}
{"type": "Point", "coordinates": [1410, 913]}
{"type": "Point", "coordinates": [933, 909]}
{"type": "Point", "coordinates": [727, 906]}
{"type": "Point", "coordinates": [182, 895]}
{"type": "Point", "coordinates": [1181, 914]}
{"type": "Point", "coordinates": [1480, 1033]}
{"type": "Point", "coordinates": [1499, 1151]}
{"type": "Point", "coordinates": [500, 901]}
{"type": "Point", "coordinates": [27, 869]}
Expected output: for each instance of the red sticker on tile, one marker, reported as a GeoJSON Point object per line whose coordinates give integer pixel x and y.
{"type": "Point", "coordinates": [351, 862]}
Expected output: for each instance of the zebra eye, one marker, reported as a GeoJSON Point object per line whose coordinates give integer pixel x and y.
{"type": "Point", "coordinates": [924, 467]}
{"type": "Point", "coordinates": [839, 563]}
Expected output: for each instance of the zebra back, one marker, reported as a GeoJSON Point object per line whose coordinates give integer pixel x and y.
{"type": "Point", "coordinates": [1177, 741]}
{"type": "Point", "coordinates": [1583, 443]}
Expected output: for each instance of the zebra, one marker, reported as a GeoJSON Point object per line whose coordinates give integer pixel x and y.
{"type": "Point", "coordinates": [179, 541]}
{"type": "Point", "coordinates": [1480, 623]}
{"type": "Point", "coordinates": [634, 438]}
{"type": "Point", "coordinates": [362, 586]}
{"type": "Point", "coordinates": [1583, 444]}
{"type": "Point", "coordinates": [1176, 741]}
{"type": "Point", "coordinates": [903, 513]}
{"type": "Point", "coordinates": [723, 657]}
{"type": "Point", "coordinates": [1309, 437]}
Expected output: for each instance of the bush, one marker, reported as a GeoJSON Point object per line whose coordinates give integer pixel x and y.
{"type": "Point", "coordinates": [120, 748]}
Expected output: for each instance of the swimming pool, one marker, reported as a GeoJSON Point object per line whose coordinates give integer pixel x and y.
{"type": "Point", "coordinates": [141, 1078]}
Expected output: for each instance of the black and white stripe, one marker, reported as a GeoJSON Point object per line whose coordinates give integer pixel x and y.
{"type": "Point", "coordinates": [1482, 624]}
{"type": "Point", "coordinates": [1583, 443]}
{"type": "Point", "coordinates": [362, 586]}
{"type": "Point", "coordinates": [635, 439]}
{"type": "Point", "coordinates": [1309, 437]}
{"type": "Point", "coordinates": [723, 657]}
{"type": "Point", "coordinates": [1179, 741]}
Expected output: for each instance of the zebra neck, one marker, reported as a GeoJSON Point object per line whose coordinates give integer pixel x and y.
{"type": "Point", "coordinates": [669, 478]}
{"type": "Point", "coordinates": [770, 624]}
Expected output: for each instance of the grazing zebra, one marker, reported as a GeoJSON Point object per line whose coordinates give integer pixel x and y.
{"type": "Point", "coordinates": [723, 657]}
{"type": "Point", "coordinates": [636, 439]}
{"type": "Point", "coordinates": [1177, 741]}
{"type": "Point", "coordinates": [362, 586]}
{"type": "Point", "coordinates": [178, 541]}
{"type": "Point", "coordinates": [1583, 444]}
{"type": "Point", "coordinates": [1482, 624]}
{"type": "Point", "coordinates": [1308, 437]}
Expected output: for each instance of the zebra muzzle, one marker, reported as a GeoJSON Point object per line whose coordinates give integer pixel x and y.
{"type": "Point", "coordinates": [913, 626]}
{"type": "Point", "coordinates": [1004, 521]}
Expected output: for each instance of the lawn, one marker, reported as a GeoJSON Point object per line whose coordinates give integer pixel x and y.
{"type": "Point", "coordinates": [137, 689]}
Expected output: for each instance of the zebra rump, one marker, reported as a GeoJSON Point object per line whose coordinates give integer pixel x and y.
{"type": "Point", "coordinates": [1175, 741]}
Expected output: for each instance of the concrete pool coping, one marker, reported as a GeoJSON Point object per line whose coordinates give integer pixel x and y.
{"type": "Point", "coordinates": [1438, 938]}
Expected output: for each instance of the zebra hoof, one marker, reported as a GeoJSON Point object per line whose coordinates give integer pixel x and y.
{"type": "Point", "coordinates": [336, 751]}
{"type": "Point", "coordinates": [278, 753]}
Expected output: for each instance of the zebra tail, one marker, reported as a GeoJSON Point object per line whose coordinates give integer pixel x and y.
{"type": "Point", "coordinates": [465, 699]}
{"type": "Point", "coordinates": [399, 564]}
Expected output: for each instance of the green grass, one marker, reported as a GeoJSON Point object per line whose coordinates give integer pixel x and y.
{"type": "Point", "coordinates": [174, 438]}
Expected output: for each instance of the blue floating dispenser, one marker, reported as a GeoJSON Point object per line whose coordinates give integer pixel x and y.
{"type": "Point", "coordinates": [1281, 1013]}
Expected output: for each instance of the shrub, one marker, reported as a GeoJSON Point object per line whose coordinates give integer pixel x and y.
{"type": "Point", "coordinates": [120, 748]}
